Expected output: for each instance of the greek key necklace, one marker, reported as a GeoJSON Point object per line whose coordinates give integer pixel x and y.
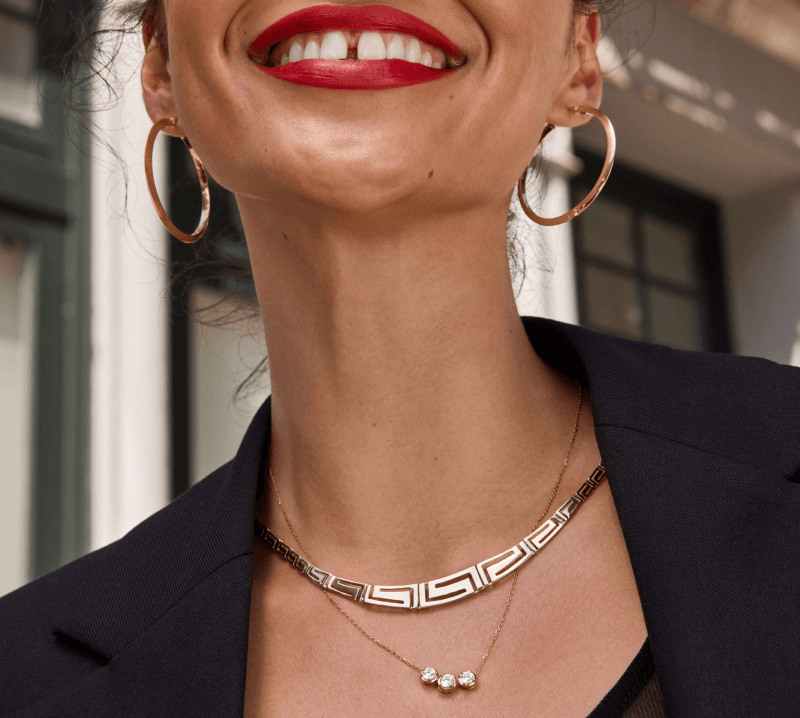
{"type": "Point", "coordinates": [444, 590]}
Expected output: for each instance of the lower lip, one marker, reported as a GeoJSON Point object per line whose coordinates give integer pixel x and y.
{"type": "Point", "coordinates": [356, 74]}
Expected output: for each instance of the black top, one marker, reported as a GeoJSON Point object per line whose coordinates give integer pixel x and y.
{"type": "Point", "coordinates": [703, 460]}
{"type": "Point", "coordinates": [637, 694]}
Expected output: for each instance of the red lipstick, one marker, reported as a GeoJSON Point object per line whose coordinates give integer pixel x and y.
{"type": "Point", "coordinates": [360, 74]}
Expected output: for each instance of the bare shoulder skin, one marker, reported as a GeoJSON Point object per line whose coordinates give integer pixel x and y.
{"type": "Point", "coordinates": [409, 408]}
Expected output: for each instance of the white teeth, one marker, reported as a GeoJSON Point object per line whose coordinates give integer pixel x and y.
{"type": "Point", "coordinates": [334, 46]}
{"type": "Point", "coordinates": [395, 49]}
{"type": "Point", "coordinates": [312, 50]}
{"type": "Point", "coordinates": [371, 47]}
{"type": "Point", "coordinates": [413, 50]}
{"type": "Point", "coordinates": [364, 45]}
{"type": "Point", "coordinates": [295, 52]}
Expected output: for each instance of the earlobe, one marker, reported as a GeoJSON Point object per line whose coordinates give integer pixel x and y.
{"type": "Point", "coordinates": [583, 79]}
{"type": "Point", "coordinates": [157, 88]}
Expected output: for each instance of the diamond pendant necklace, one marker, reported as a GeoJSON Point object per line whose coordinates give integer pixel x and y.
{"type": "Point", "coordinates": [444, 590]}
{"type": "Point", "coordinates": [445, 682]}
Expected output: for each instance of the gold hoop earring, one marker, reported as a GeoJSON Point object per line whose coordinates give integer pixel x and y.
{"type": "Point", "coordinates": [611, 150]}
{"type": "Point", "coordinates": [151, 184]}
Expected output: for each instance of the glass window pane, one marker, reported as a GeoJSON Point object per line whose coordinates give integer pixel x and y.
{"type": "Point", "coordinates": [611, 303]}
{"type": "Point", "coordinates": [17, 48]}
{"type": "Point", "coordinates": [676, 320]}
{"type": "Point", "coordinates": [668, 250]}
{"type": "Point", "coordinates": [607, 232]}
{"type": "Point", "coordinates": [17, 293]}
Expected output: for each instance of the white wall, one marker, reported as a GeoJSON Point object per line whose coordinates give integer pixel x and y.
{"type": "Point", "coordinates": [763, 259]}
{"type": "Point", "coordinates": [549, 289]}
{"type": "Point", "coordinates": [17, 333]}
{"type": "Point", "coordinates": [129, 460]}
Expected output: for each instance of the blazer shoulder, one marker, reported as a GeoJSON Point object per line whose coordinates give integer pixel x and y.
{"type": "Point", "coordinates": [727, 379]}
{"type": "Point", "coordinates": [742, 408]}
{"type": "Point", "coordinates": [34, 661]}
{"type": "Point", "coordinates": [41, 599]}
{"type": "Point", "coordinates": [37, 602]}
{"type": "Point", "coordinates": [732, 376]}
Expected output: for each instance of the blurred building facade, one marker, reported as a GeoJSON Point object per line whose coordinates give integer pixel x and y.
{"type": "Point", "coordinates": [44, 298]}
{"type": "Point", "coordinates": [113, 402]}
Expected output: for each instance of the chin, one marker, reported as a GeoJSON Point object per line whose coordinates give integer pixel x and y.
{"type": "Point", "coordinates": [343, 181]}
{"type": "Point", "coordinates": [360, 194]}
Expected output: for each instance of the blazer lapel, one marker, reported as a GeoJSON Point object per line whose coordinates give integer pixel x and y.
{"type": "Point", "coordinates": [168, 608]}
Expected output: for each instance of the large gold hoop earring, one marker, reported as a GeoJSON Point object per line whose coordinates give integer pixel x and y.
{"type": "Point", "coordinates": [611, 150]}
{"type": "Point", "coordinates": [151, 184]}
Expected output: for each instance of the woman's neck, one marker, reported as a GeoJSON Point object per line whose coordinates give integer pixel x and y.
{"type": "Point", "coordinates": [412, 423]}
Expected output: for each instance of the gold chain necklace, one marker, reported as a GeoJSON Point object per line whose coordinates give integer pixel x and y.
{"type": "Point", "coordinates": [508, 562]}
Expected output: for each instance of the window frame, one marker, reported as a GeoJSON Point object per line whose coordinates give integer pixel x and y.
{"type": "Point", "coordinates": [644, 193]}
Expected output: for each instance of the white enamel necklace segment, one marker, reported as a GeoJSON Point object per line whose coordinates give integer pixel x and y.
{"type": "Point", "coordinates": [450, 588]}
{"type": "Point", "coordinates": [493, 569]}
{"type": "Point", "coordinates": [397, 596]}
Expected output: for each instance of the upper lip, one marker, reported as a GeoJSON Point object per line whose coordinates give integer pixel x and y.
{"type": "Point", "coordinates": [381, 18]}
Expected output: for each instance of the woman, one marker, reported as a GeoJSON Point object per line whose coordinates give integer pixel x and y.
{"type": "Point", "coordinates": [417, 426]}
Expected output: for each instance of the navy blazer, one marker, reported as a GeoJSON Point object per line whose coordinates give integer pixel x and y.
{"type": "Point", "coordinates": [702, 453]}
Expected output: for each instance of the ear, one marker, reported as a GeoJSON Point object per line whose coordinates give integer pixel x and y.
{"type": "Point", "coordinates": [157, 86]}
{"type": "Point", "coordinates": [583, 79]}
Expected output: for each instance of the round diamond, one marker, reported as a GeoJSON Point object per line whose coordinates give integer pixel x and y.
{"type": "Point", "coordinates": [447, 683]}
{"type": "Point", "coordinates": [429, 676]}
{"type": "Point", "coordinates": [466, 679]}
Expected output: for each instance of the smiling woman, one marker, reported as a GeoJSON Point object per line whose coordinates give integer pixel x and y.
{"type": "Point", "coordinates": [417, 426]}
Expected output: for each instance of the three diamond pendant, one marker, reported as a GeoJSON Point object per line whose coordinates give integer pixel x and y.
{"type": "Point", "coordinates": [447, 682]}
